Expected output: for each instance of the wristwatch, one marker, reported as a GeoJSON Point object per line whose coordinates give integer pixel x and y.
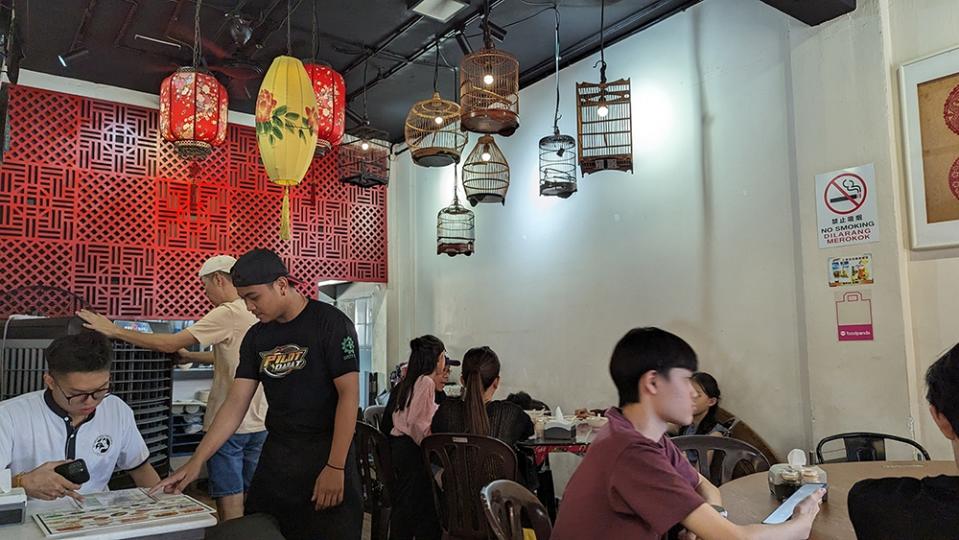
{"type": "Point", "coordinates": [722, 511]}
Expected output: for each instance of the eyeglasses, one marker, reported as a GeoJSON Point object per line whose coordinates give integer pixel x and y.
{"type": "Point", "coordinates": [75, 399]}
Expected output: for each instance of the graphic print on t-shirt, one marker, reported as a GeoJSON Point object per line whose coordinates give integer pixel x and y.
{"type": "Point", "coordinates": [283, 360]}
{"type": "Point", "coordinates": [102, 444]}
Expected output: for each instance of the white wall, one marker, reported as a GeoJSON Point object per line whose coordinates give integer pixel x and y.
{"type": "Point", "coordinates": [700, 240]}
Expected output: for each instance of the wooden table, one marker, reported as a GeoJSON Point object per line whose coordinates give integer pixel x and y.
{"type": "Point", "coordinates": [748, 500]}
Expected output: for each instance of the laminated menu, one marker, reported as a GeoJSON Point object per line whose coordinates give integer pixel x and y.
{"type": "Point", "coordinates": [115, 510]}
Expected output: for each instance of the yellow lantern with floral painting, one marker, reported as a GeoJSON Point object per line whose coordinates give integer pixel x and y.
{"type": "Point", "coordinates": [286, 119]}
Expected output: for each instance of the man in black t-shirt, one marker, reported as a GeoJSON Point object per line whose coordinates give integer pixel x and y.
{"type": "Point", "coordinates": [928, 508]}
{"type": "Point", "coordinates": [304, 353]}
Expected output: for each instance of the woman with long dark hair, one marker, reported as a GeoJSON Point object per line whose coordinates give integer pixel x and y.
{"type": "Point", "coordinates": [410, 409]}
{"type": "Point", "coordinates": [705, 404]}
{"type": "Point", "coordinates": [477, 413]}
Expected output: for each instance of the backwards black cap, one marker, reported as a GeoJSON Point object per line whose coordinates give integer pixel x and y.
{"type": "Point", "coordinates": [257, 267]}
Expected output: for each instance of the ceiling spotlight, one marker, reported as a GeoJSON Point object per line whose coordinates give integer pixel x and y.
{"type": "Point", "coordinates": [441, 10]}
{"type": "Point", "coordinates": [66, 58]}
{"type": "Point", "coordinates": [488, 79]}
{"type": "Point", "coordinates": [496, 32]}
{"type": "Point", "coordinates": [464, 43]}
{"type": "Point", "coordinates": [240, 29]}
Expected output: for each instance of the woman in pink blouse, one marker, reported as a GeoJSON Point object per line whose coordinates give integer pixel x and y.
{"type": "Point", "coordinates": [411, 406]}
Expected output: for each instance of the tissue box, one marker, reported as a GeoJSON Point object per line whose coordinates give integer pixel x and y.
{"type": "Point", "coordinates": [13, 507]}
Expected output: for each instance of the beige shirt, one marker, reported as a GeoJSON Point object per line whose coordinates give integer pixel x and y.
{"type": "Point", "coordinates": [224, 328]}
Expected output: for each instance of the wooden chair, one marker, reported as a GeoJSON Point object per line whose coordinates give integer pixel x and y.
{"type": "Point", "coordinates": [727, 453]}
{"type": "Point", "coordinates": [866, 446]}
{"type": "Point", "coordinates": [376, 475]}
{"type": "Point", "coordinates": [507, 504]}
{"type": "Point", "coordinates": [463, 465]}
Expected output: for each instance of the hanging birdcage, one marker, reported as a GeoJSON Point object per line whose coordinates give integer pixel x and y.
{"type": "Point", "coordinates": [364, 157]}
{"type": "Point", "coordinates": [604, 119]}
{"type": "Point", "coordinates": [433, 132]}
{"type": "Point", "coordinates": [455, 227]}
{"type": "Point", "coordinates": [557, 166]}
{"type": "Point", "coordinates": [486, 173]}
{"type": "Point", "coordinates": [605, 126]}
{"type": "Point", "coordinates": [489, 89]}
{"type": "Point", "coordinates": [364, 154]}
{"type": "Point", "coordinates": [557, 162]}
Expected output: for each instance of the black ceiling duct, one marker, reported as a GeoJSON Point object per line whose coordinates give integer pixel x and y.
{"type": "Point", "coordinates": [813, 12]}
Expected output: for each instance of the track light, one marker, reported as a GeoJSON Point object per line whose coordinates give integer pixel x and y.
{"type": "Point", "coordinates": [464, 43]}
{"type": "Point", "coordinates": [66, 58]}
{"type": "Point", "coordinates": [496, 32]}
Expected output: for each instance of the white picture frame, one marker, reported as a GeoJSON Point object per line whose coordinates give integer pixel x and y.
{"type": "Point", "coordinates": [924, 235]}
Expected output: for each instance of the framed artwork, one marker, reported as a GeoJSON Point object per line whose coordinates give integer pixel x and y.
{"type": "Point", "coordinates": [929, 89]}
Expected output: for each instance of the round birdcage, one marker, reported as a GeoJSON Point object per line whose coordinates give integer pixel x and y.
{"type": "Point", "coordinates": [489, 92]}
{"type": "Point", "coordinates": [455, 228]}
{"type": "Point", "coordinates": [364, 158]}
{"type": "Point", "coordinates": [557, 166]}
{"type": "Point", "coordinates": [486, 173]}
{"type": "Point", "coordinates": [433, 132]}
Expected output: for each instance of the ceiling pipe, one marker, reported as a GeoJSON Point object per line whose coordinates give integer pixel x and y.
{"type": "Point", "coordinates": [449, 34]}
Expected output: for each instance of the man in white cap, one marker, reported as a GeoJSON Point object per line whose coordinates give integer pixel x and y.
{"type": "Point", "coordinates": [231, 468]}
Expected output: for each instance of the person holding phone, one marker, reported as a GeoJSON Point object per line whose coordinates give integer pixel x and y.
{"type": "Point", "coordinates": [75, 418]}
{"type": "Point", "coordinates": [634, 482]}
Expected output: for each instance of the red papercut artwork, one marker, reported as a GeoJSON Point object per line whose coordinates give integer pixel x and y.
{"type": "Point", "coordinates": [93, 202]}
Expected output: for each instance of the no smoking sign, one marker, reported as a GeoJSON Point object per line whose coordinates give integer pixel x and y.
{"type": "Point", "coordinates": [846, 207]}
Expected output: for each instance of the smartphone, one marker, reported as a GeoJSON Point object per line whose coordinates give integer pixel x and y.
{"type": "Point", "coordinates": [785, 510]}
{"type": "Point", "coordinates": [75, 471]}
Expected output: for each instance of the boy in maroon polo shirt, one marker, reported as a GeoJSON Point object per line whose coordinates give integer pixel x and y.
{"type": "Point", "coordinates": [634, 483]}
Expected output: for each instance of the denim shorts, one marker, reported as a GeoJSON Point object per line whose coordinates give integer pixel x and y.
{"type": "Point", "coordinates": [231, 467]}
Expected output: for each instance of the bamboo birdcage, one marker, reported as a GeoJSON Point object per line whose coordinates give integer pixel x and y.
{"type": "Point", "coordinates": [557, 166]}
{"type": "Point", "coordinates": [605, 140]}
{"type": "Point", "coordinates": [433, 132]}
{"type": "Point", "coordinates": [489, 92]}
{"type": "Point", "coordinates": [364, 157]}
{"type": "Point", "coordinates": [455, 227]}
{"type": "Point", "coordinates": [489, 88]}
{"type": "Point", "coordinates": [486, 173]}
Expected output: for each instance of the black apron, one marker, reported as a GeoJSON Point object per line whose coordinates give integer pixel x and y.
{"type": "Point", "coordinates": [283, 485]}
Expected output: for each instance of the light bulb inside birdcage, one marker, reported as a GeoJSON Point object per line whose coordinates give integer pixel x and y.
{"type": "Point", "coordinates": [438, 120]}
{"type": "Point", "coordinates": [488, 79]}
{"type": "Point", "coordinates": [365, 146]}
{"type": "Point", "coordinates": [486, 156]}
{"type": "Point", "coordinates": [603, 109]}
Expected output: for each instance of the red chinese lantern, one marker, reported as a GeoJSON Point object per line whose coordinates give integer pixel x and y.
{"type": "Point", "coordinates": [330, 93]}
{"type": "Point", "coordinates": [193, 112]}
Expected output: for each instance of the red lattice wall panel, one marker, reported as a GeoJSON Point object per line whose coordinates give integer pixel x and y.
{"type": "Point", "coordinates": [93, 202]}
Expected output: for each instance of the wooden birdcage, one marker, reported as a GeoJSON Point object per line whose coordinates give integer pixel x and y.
{"type": "Point", "coordinates": [433, 132]}
{"type": "Point", "coordinates": [486, 173]}
{"type": "Point", "coordinates": [557, 166]}
{"type": "Point", "coordinates": [489, 92]}
{"type": "Point", "coordinates": [455, 228]}
{"type": "Point", "coordinates": [364, 157]}
{"type": "Point", "coordinates": [604, 126]}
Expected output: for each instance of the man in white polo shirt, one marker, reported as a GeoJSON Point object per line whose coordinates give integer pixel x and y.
{"type": "Point", "coordinates": [231, 468]}
{"type": "Point", "coordinates": [74, 418]}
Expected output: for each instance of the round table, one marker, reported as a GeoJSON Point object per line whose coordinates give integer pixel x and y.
{"type": "Point", "coordinates": [748, 499]}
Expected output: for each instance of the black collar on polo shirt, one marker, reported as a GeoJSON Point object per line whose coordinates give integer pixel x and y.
{"type": "Point", "coordinates": [70, 449]}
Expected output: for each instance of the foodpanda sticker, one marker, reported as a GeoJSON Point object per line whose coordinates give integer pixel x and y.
{"type": "Point", "coordinates": [102, 444]}
{"type": "Point", "coordinates": [283, 360]}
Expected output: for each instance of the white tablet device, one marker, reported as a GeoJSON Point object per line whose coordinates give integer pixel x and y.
{"type": "Point", "coordinates": [785, 510]}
